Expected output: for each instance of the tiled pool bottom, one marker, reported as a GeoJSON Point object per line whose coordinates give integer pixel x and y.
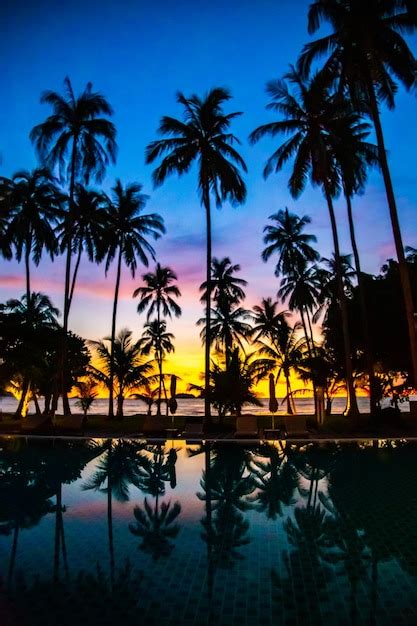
{"type": "Point", "coordinates": [278, 534]}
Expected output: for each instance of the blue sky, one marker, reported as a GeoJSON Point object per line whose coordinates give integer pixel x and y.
{"type": "Point", "coordinates": [139, 54]}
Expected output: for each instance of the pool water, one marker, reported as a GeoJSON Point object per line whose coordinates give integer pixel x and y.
{"type": "Point", "coordinates": [120, 531]}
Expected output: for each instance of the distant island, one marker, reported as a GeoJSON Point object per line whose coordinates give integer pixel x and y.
{"type": "Point", "coordinates": [186, 396]}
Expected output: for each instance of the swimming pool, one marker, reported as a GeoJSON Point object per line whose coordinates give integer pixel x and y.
{"type": "Point", "coordinates": [106, 531]}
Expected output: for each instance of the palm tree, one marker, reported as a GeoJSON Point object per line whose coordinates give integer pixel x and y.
{"type": "Point", "coordinates": [233, 383]}
{"type": "Point", "coordinates": [31, 317]}
{"type": "Point", "coordinates": [368, 55]}
{"type": "Point", "coordinates": [159, 294]}
{"type": "Point", "coordinates": [313, 117]}
{"type": "Point", "coordinates": [33, 200]}
{"type": "Point", "coordinates": [88, 225]}
{"type": "Point", "coordinates": [226, 288]}
{"type": "Point", "coordinates": [124, 360]}
{"type": "Point", "coordinates": [279, 341]}
{"type": "Point", "coordinates": [229, 327]}
{"type": "Point", "coordinates": [203, 136]}
{"type": "Point", "coordinates": [155, 339]}
{"type": "Point", "coordinates": [287, 239]}
{"type": "Point", "coordinates": [126, 238]}
{"type": "Point", "coordinates": [78, 140]}
{"type": "Point", "coordinates": [302, 289]}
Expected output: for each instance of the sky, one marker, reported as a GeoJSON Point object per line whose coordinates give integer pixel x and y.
{"type": "Point", "coordinates": [139, 54]}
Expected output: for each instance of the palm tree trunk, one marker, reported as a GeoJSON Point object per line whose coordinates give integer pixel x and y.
{"type": "Point", "coordinates": [58, 513]}
{"type": "Point", "coordinates": [27, 270]}
{"type": "Point", "coordinates": [207, 410]}
{"type": "Point", "coordinates": [65, 402]}
{"type": "Point", "coordinates": [37, 407]}
{"type": "Point", "coordinates": [110, 528]}
{"type": "Point", "coordinates": [159, 358]}
{"type": "Point", "coordinates": [210, 569]}
{"type": "Point", "coordinates": [351, 403]}
{"type": "Point", "coordinates": [74, 276]}
{"type": "Point", "coordinates": [303, 322]}
{"type": "Point", "coordinates": [402, 263]}
{"type": "Point", "coordinates": [311, 332]}
{"type": "Point", "coordinates": [288, 387]}
{"type": "Point", "coordinates": [25, 391]}
{"type": "Point", "coordinates": [113, 332]}
{"type": "Point", "coordinates": [362, 302]}
{"type": "Point", "coordinates": [13, 553]}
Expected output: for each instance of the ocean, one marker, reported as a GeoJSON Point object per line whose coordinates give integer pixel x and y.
{"type": "Point", "coordinates": [195, 406]}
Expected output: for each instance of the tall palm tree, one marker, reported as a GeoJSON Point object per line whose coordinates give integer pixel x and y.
{"type": "Point", "coordinates": [158, 294]}
{"type": "Point", "coordinates": [88, 228]}
{"type": "Point", "coordinates": [126, 237]}
{"type": "Point", "coordinates": [312, 116]}
{"type": "Point", "coordinates": [156, 339]}
{"type": "Point", "coordinates": [286, 237]}
{"type": "Point", "coordinates": [204, 137]}
{"type": "Point", "coordinates": [124, 359]}
{"type": "Point", "coordinates": [80, 141]}
{"type": "Point", "coordinates": [368, 56]}
{"type": "Point", "coordinates": [33, 200]}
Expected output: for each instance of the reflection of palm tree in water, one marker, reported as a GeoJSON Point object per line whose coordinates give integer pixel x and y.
{"type": "Point", "coordinates": [121, 465]}
{"type": "Point", "coordinates": [226, 485]}
{"type": "Point", "coordinates": [156, 525]}
{"type": "Point", "coordinates": [275, 481]}
{"type": "Point", "coordinates": [30, 475]}
{"type": "Point", "coordinates": [308, 532]}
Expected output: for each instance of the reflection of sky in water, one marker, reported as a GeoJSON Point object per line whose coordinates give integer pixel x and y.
{"type": "Point", "coordinates": [241, 586]}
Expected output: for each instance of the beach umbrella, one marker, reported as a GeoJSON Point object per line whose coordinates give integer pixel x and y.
{"type": "Point", "coordinates": [273, 402]}
{"type": "Point", "coordinates": [173, 404]}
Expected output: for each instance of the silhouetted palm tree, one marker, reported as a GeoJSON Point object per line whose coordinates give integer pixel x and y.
{"type": "Point", "coordinates": [158, 295]}
{"type": "Point", "coordinates": [278, 341]}
{"type": "Point", "coordinates": [312, 116]}
{"type": "Point", "coordinates": [302, 290]}
{"type": "Point", "coordinates": [79, 140]}
{"type": "Point", "coordinates": [288, 240]}
{"type": "Point", "coordinates": [88, 221]}
{"type": "Point", "coordinates": [31, 316]}
{"type": "Point", "coordinates": [233, 383]}
{"type": "Point", "coordinates": [367, 55]}
{"type": "Point", "coordinates": [155, 339]}
{"type": "Point", "coordinates": [203, 137]}
{"type": "Point", "coordinates": [226, 288]}
{"type": "Point", "coordinates": [127, 239]}
{"type": "Point", "coordinates": [229, 327]}
{"type": "Point", "coordinates": [33, 200]}
{"type": "Point", "coordinates": [5, 213]}
{"type": "Point", "coordinates": [124, 358]}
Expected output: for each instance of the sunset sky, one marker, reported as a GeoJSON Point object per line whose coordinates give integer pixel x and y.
{"type": "Point", "coordinates": [138, 54]}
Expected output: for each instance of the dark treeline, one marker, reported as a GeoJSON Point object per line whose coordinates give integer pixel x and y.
{"type": "Point", "coordinates": [327, 109]}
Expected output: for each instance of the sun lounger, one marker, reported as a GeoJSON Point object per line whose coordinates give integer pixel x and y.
{"type": "Point", "coordinates": [295, 426]}
{"type": "Point", "coordinates": [34, 422]}
{"type": "Point", "coordinates": [247, 426]}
